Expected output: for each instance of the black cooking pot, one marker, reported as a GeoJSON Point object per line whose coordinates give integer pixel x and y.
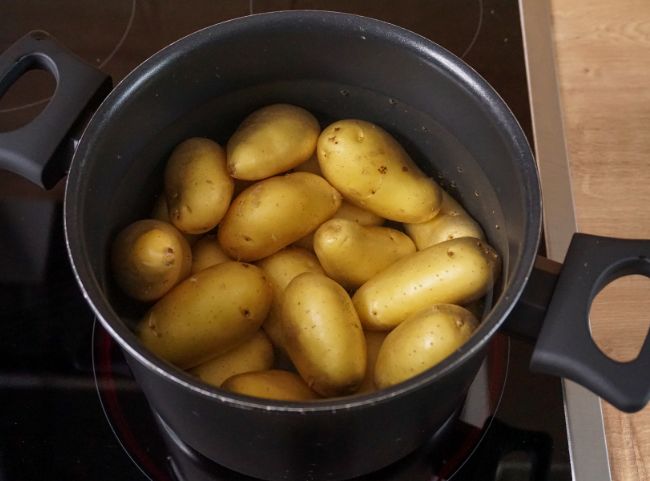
{"type": "Point", "coordinates": [336, 66]}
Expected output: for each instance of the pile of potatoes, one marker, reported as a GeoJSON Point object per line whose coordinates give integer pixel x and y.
{"type": "Point", "coordinates": [273, 273]}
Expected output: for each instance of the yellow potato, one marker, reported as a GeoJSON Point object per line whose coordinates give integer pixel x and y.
{"type": "Point", "coordinates": [160, 212]}
{"type": "Point", "coordinates": [323, 336]}
{"type": "Point", "coordinates": [207, 252]}
{"type": "Point", "coordinates": [272, 140]}
{"type": "Point", "coordinates": [374, 340]}
{"type": "Point", "coordinates": [452, 272]}
{"type": "Point", "coordinates": [275, 212]}
{"type": "Point", "coordinates": [421, 342]}
{"type": "Point", "coordinates": [148, 258]}
{"type": "Point", "coordinates": [255, 354]}
{"type": "Point", "coordinates": [280, 269]}
{"type": "Point", "coordinates": [351, 253]}
{"type": "Point", "coordinates": [451, 222]}
{"type": "Point", "coordinates": [197, 185]}
{"type": "Point", "coordinates": [271, 384]}
{"type": "Point", "coordinates": [346, 211]}
{"type": "Point", "coordinates": [207, 314]}
{"type": "Point", "coordinates": [369, 167]}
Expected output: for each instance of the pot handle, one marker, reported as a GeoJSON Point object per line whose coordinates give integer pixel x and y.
{"type": "Point", "coordinates": [564, 346]}
{"type": "Point", "coordinates": [41, 150]}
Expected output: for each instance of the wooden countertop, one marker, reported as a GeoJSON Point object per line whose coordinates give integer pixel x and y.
{"type": "Point", "coordinates": [603, 60]}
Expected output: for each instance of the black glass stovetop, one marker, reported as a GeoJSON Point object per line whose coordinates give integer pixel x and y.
{"type": "Point", "coordinates": [69, 408]}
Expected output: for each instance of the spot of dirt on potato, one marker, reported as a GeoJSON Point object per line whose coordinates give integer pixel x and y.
{"type": "Point", "coordinates": [332, 139]}
{"type": "Point", "coordinates": [405, 168]}
{"type": "Point", "coordinates": [247, 239]}
{"type": "Point", "coordinates": [450, 253]}
{"type": "Point", "coordinates": [382, 169]}
{"type": "Point", "coordinates": [245, 312]}
{"type": "Point", "coordinates": [336, 129]}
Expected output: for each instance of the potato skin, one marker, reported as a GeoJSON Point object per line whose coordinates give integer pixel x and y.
{"type": "Point", "coordinates": [374, 340]}
{"type": "Point", "coordinates": [161, 212]}
{"type": "Point", "coordinates": [271, 384]}
{"type": "Point", "coordinates": [369, 167]}
{"type": "Point", "coordinates": [323, 335]}
{"type": "Point", "coordinates": [451, 222]}
{"type": "Point", "coordinates": [198, 188]}
{"type": "Point", "coordinates": [280, 269]}
{"type": "Point", "coordinates": [272, 140]}
{"type": "Point", "coordinates": [421, 342]}
{"type": "Point", "coordinates": [275, 212]}
{"type": "Point", "coordinates": [254, 354]}
{"type": "Point", "coordinates": [351, 253]}
{"type": "Point", "coordinates": [207, 314]}
{"type": "Point", "coordinates": [452, 272]}
{"type": "Point", "coordinates": [148, 258]}
{"type": "Point", "coordinates": [206, 252]}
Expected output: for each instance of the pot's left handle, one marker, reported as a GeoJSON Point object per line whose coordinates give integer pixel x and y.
{"type": "Point", "coordinates": [565, 346]}
{"type": "Point", "coordinates": [41, 150]}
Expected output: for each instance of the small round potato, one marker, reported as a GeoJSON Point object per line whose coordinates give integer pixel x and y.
{"type": "Point", "coordinates": [452, 272]}
{"type": "Point", "coordinates": [275, 212]}
{"type": "Point", "coordinates": [369, 167]}
{"type": "Point", "coordinates": [206, 252]}
{"type": "Point", "coordinates": [272, 140]}
{"type": "Point", "coordinates": [351, 253]}
{"type": "Point", "coordinates": [280, 269]}
{"type": "Point", "coordinates": [323, 336]}
{"type": "Point", "coordinates": [271, 384]}
{"type": "Point", "coordinates": [255, 354]}
{"type": "Point", "coordinates": [197, 185]}
{"type": "Point", "coordinates": [374, 340]}
{"type": "Point", "coordinates": [450, 223]}
{"type": "Point", "coordinates": [421, 342]}
{"type": "Point", "coordinates": [207, 314]}
{"type": "Point", "coordinates": [148, 258]}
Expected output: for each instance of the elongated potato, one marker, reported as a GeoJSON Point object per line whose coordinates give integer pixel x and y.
{"type": "Point", "coordinates": [197, 185]}
{"type": "Point", "coordinates": [351, 253]}
{"type": "Point", "coordinates": [323, 336]}
{"type": "Point", "coordinates": [272, 140]}
{"type": "Point", "coordinates": [254, 354]}
{"type": "Point", "coordinates": [280, 269]}
{"type": "Point", "coordinates": [206, 252]}
{"type": "Point", "coordinates": [451, 222]}
{"type": "Point", "coordinates": [421, 342]}
{"type": "Point", "coordinates": [374, 340]}
{"type": "Point", "coordinates": [271, 384]}
{"type": "Point", "coordinates": [207, 314]}
{"type": "Point", "coordinates": [346, 211]}
{"type": "Point", "coordinates": [452, 272]}
{"type": "Point", "coordinates": [275, 212]}
{"type": "Point", "coordinates": [148, 258]}
{"type": "Point", "coordinates": [369, 167]}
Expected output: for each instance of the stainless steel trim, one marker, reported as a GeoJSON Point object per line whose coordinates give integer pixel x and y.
{"type": "Point", "coordinates": [584, 417]}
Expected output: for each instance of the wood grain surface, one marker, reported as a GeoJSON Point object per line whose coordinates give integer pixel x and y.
{"type": "Point", "coordinates": [603, 57]}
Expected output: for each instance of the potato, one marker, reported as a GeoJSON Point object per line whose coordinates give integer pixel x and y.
{"type": "Point", "coordinates": [271, 384]}
{"type": "Point", "coordinates": [197, 185]}
{"type": "Point", "coordinates": [323, 336]}
{"type": "Point", "coordinates": [371, 170]}
{"type": "Point", "coordinates": [457, 271]}
{"type": "Point", "coordinates": [451, 222]}
{"type": "Point", "coordinates": [310, 165]}
{"type": "Point", "coordinates": [254, 354]}
{"type": "Point", "coordinates": [421, 342]}
{"type": "Point", "coordinates": [207, 252]}
{"type": "Point", "coordinates": [275, 212]}
{"type": "Point", "coordinates": [280, 269]}
{"type": "Point", "coordinates": [272, 140]}
{"type": "Point", "coordinates": [346, 211]}
{"type": "Point", "coordinates": [374, 340]}
{"type": "Point", "coordinates": [160, 212]}
{"type": "Point", "coordinates": [148, 258]}
{"type": "Point", "coordinates": [351, 253]}
{"type": "Point", "coordinates": [207, 314]}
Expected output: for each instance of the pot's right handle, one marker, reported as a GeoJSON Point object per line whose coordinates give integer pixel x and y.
{"type": "Point", "coordinates": [565, 347]}
{"type": "Point", "coordinates": [38, 150]}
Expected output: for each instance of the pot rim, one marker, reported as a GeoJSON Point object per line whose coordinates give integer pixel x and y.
{"type": "Point", "coordinates": [453, 66]}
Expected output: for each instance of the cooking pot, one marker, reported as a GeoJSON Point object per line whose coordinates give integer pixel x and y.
{"type": "Point", "coordinates": [337, 66]}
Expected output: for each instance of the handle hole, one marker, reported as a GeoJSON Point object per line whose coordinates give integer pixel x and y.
{"type": "Point", "coordinates": [620, 317]}
{"type": "Point", "coordinates": [26, 98]}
